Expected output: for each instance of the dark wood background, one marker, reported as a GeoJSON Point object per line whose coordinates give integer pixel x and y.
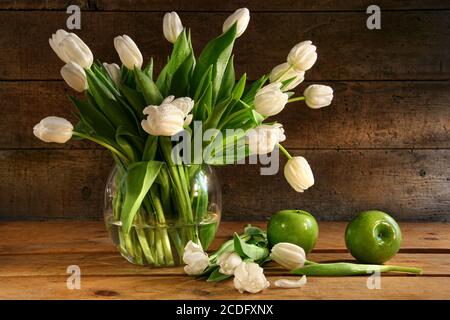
{"type": "Point", "coordinates": [384, 142]}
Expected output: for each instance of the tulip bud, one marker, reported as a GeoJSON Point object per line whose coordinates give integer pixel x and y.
{"type": "Point", "coordinates": [74, 76]}
{"type": "Point", "coordinates": [302, 56]}
{"type": "Point", "coordinates": [242, 17]}
{"type": "Point", "coordinates": [195, 258]}
{"type": "Point", "coordinates": [249, 276]}
{"type": "Point", "coordinates": [172, 26]}
{"type": "Point", "coordinates": [169, 118]}
{"type": "Point", "coordinates": [53, 129]}
{"type": "Point", "coordinates": [284, 72]}
{"type": "Point", "coordinates": [69, 47]}
{"type": "Point", "coordinates": [298, 174]}
{"type": "Point", "coordinates": [228, 261]}
{"type": "Point", "coordinates": [270, 100]}
{"type": "Point", "coordinates": [128, 52]}
{"type": "Point", "coordinates": [288, 255]}
{"type": "Point", "coordinates": [318, 96]}
{"type": "Point", "coordinates": [113, 71]}
{"type": "Point", "coordinates": [264, 138]}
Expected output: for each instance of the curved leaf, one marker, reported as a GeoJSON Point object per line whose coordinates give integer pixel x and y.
{"type": "Point", "coordinates": [140, 177]}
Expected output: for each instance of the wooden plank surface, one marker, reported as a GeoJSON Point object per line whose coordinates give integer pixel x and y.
{"type": "Point", "coordinates": [347, 49]}
{"type": "Point", "coordinates": [90, 237]}
{"type": "Point", "coordinates": [207, 5]}
{"type": "Point", "coordinates": [39, 272]}
{"type": "Point", "coordinates": [363, 115]}
{"type": "Point", "coordinates": [112, 264]}
{"type": "Point", "coordinates": [410, 184]}
{"type": "Point", "coordinates": [160, 288]}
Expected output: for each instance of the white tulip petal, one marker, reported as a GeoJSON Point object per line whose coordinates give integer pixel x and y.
{"type": "Point", "coordinates": [289, 283]}
{"type": "Point", "coordinates": [242, 17]}
{"type": "Point", "coordinates": [298, 174]}
{"type": "Point", "coordinates": [113, 70]}
{"type": "Point", "coordinates": [264, 138]}
{"type": "Point", "coordinates": [318, 96]}
{"type": "Point", "coordinates": [172, 26]}
{"type": "Point", "coordinates": [302, 56]}
{"type": "Point", "coordinates": [75, 76]}
{"type": "Point", "coordinates": [128, 52]}
{"type": "Point", "coordinates": [270, 100]}
{"type": "Point", "coordinates": [53, 129]}
{"type": "Point", "coordinates": [285, 72]}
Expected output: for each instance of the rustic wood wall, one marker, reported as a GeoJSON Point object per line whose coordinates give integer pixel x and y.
{"type": "Point", "coordinates": [384, 143]}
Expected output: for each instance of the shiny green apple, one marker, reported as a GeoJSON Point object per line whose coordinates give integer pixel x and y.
{"type": "Point", "coordinates": [294, 226]}
{"type": "Point", "coordinates": [373, 237]}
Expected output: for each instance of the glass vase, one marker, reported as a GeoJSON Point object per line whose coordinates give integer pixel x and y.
{"type": "Point", "coordinates": [182, 205]}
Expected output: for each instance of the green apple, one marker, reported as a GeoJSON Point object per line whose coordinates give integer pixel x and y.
{"type": "Point", "coordinates": [373, 237]}
{"type": "Point", "coordinates": [294, 226]}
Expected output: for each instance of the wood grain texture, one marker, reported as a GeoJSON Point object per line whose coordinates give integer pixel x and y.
{"type": "Point", "coordinates": [160, 288]}
{"type": "Point", "coordinates": [44, 4]}
{"type": "Point", "coordinates": [112, 264]}
{"type": "Point", "coordinates": [363, 115]}
{"type": "Point", "coordinates": [207, 5]}
{"type": "Point", "coordinates": [347, 49]}
{"type": "Point", "coordinates": [410, 184]}
{"type": "Point", "coordinates": [91, 237]}
{"type": "Point", "coordinates": [35, 268]}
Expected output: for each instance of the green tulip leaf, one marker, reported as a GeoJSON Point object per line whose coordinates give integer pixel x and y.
{"type": "Point", "coordinates": [179, 86]}
{"type": "Point", "coordinates": [94, 118]}
{"type": "Point", "coordinates": [250, 93]}
{"type": "Point", "coordinates": [148, 88]}
{"type": "Point", "coordinates": [216, 276]}
{"type": "Point", "coordinates": [217, 54]}
{"type": "Point", "coordinates": [227, 81]}
{"type": "Point", "coordinates": [182, 49]}
{"type": "Point", "coordinates": [150, 148]}
{"type": "Point", "coordinates": [135, 99]}
{"type": "Point", "coordinates": [249, 250]}
{"type": "Point", "coordinates": [148, 70]}
{"type": "Point", "coordinates": [139, 179]}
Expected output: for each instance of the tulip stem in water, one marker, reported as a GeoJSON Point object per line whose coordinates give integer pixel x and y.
{"type": "Point", "coordinates": [349, 269]}
{"type": "Point", "coordinates": [286, 153]}
{"type": "Point", "coordinates": [296, 99]}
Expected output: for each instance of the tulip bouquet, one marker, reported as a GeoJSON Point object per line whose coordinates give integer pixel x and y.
{"type": "Point", "coordinates": [137, 115]}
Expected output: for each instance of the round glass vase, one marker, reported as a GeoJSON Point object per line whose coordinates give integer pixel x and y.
{"type": "Point", "coordinates": [182, 205]}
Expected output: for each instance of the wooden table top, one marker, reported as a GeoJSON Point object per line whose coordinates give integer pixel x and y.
{"type": "Point", "coordinates": [34, 257]}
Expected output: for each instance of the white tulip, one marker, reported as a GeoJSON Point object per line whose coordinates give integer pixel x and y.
{"type": "Point", "coordinates": [69, 47]}
{"type": "Point", "coordinates": [195, 258]}
{"type": "Point", "coordinates": [302, 56]}
{"type": "Point", "coordinates": [54, 42]}
{"type": "Point", "coordinates": [185, 104]}
{"type": "Point", "coordinates": [169, 118]}
{"type": "Point", "coordinates": [288, 255]}
{"type": "Point", "coordinates": [53, 129]}
{"type": "Point", "coordinates": [249, 276]}
{"type": "Point", "coordinates": [172, 26]}
{"type": "Point", "coordinates": [113, 70]}
{"type": "Point", "coordinates": [242, 17]}
{"type": "Point", "coordinates": [270, 100]}
{"type": "Point", "coordinates": [128, 52]}
{"type": "Point", "coordinates": [228, 261]}
{"type": "Point", "coordinates": [264, 138]}
{"type": "Point", "coordinates": [298, 174]}
{"type": "Point", "coordinates": [74, 76]}
{"type": "Point", "coordinates": [289, 283]}
{"type": "Point", "coordinates": [285, 71]}
{"type": "Point", "coordinates": [318, 96]}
